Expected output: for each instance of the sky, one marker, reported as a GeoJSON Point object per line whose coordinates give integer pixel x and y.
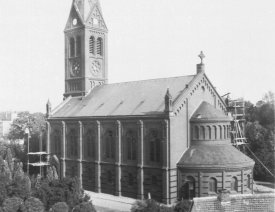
{"type": "Point", "coordinates": [147, 39]}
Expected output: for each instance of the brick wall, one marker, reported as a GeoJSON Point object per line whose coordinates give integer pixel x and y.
{"type": "Point", "coordinates": [108, 179]}
{"type": "Point", "coordinates": [129, 181]}
{"type": "Point", "coordinates": [153, 183]}
{"type": "Point", "coordinates": [88, 176]}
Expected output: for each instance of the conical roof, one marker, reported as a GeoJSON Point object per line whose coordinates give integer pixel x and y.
{"type": "Point", "coordinates": [207, 112]}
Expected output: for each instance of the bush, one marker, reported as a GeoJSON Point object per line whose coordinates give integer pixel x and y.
{"type": "Point", "coordinates": [20, 187]}
{"type": "Point", "coordinates": [149, 205]}
{"type": "Point", "coordinates": [13, 204]}
{"type": "Point", "coordinates": [85, 207]}
{"type": "Point", "coordinates": [183, 206]}
{"type": "Point", "coordinates": [60, 207]}
{"type": "Point", "coordinates": [34, 205]}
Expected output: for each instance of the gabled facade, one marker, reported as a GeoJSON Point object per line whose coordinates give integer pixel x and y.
{"type": "Point", "coordinates": [124, 139]}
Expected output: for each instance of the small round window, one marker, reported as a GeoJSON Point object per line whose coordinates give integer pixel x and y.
{"type": "Point", "coordinates": [74, 21]}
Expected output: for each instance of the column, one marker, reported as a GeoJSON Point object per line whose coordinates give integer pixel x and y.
{"type": "Point", "coordinates": [242, 181]}
{"type": "Point", "coordinates": [63, 149]}
{"type": "Point", "coordinates": [200, 184]}
{"type": "Point", "coordinates": [165, 163]}
{"type": "Point", "coordinates": [118, 159]}
{"type": "Point", "coordinates": [48, 138]}
{"type": "Point", "coordinates": [80, 153]}
{"type": "Point", "coordinates": [98, 159]}
{"type": "Point", "coordinates": [223, 180]}
{"type": "Point", "coordinates": [140, 160]}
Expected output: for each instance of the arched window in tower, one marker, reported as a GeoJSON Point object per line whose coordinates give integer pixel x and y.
{"type": "Point", "coordinates": [234, 184]}
{"type": "Point", "coordinates": [212, 185]}
{"type": "Point", "coordinates": [131, 144]}
{"type": "Point", "coordinates": [92, 45]}
{"type": "Point", "coordinates": [154, 145]}
{"type": "Point", "coordinates": [215, 133]}
{"type": "Point", "coordinates": [72, 47]}
{"type": "Point", "coordinates": [78, 46]}
{"type": "Point", "coordinates": [196, 134]}
{"type": "Point", "coordinates": [99, 46]}
{"type": "Point", "coordinates": [56, 146]}
{"type": "Point", "coordinates": [109, 141]}
{"type": "Point", "coordinates": [209, 132]}
{"type": "Point", "coordinates": [89, 144]}
{"type": "Point", "coordinates": [72, 143]}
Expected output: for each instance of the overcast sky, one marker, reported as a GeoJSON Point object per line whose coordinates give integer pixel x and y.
{"type": "Point", "coordinates": [147, 39]}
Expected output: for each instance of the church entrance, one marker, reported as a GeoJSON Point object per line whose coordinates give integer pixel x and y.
{"type": "Point", "coordinates": [187, 190]}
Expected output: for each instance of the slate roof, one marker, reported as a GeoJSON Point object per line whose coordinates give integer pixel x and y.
{"type": "Point", "coordinates": [214, 156]}
{"type": "Point", "coordinates": [125, 99]}
{"type": "Point", "coordinates": [239, 202]}
{"type": "Point", "coordinates": [207, 112]}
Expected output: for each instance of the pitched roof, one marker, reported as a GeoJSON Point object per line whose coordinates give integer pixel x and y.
{"type": "Point", "coordinates": [121, 99]}
{"type": "Point", "coordinates": [207, 112]}
{"type": "Point", "coordinates": [214, 156]}
{"type": "Point", "coordinates": [239, 202]}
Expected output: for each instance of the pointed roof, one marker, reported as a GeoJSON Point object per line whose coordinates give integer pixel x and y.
{"type": "Point", "coordinates": [207, 112]}
{"type": "Point", "coordinates": [124, 99]}
{"type": "Point", "coordinates": [84, 7]}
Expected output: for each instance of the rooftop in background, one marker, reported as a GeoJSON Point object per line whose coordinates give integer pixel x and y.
{"type": "Point", "coordinates": [7, 116]}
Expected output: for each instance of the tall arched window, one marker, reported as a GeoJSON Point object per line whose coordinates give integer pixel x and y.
{"type": "Point", "coordinates": [154, 145]}
{"type": "Point", "coordinates": [131, 144]}
{"type": "Point", "coordinates": [215, 133]}
{"type": "Point", "coordinates": [248, 181]}
{"type": "Point", "coordinates": [109, 140]}
{"type": "Point", "coordinates": [78, 46]}
{"type": "Point", "coordinates": [89, 144]}
{"type": "Point", "coordinates": [72, 47]}
{"type": "Point", "coordinates": [72, 143]}
{"type": "Point", "coordinates": [212, 185]}
{"type": "Point", "coordinates": [56, 147]}
{"type": "Point", "coordinates": [202, 133]}
{"type": "Point", "coordinates": [234, 184]}
{"type": "Point", "coordinates": [197, 133]}
{"type": "Point", "coordinates": [220, 128]}
{"type": "Point", "coordinates": [92, 45]}
{"type": "Point", "coordinates": [209, 132]}
{"type": "Point", "coordinates": [99, 45]}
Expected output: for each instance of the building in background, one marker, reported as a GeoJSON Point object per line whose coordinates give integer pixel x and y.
{"type": "Point", "coordinates": [168, 137]}
{"type": "Point", "coordinates": [6, 119]}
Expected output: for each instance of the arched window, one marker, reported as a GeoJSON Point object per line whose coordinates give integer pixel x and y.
{"type": "Point", "coordinates": [89, 144]}
{"type": "Point", "coordinates": [202, 133]}
{"type": "Point", "coordinates": [99, 45]}
{"type": "Point", "coordinates": [248, 181]}
{"type": "Point", "coordinates": [72, 47]}
{"type": "Point", "coordinates": [212, 185]}
{"type": "Point", "coordinates": [197, 133]}
{"type": "Point", "coordinates": [215, 132]}
{"type": "Point", "coordinates": [130, 179]}
{"type": "Point", "coordinates": [234, 184]}
{"type": "Point", "coordinates": [56, 147]}
{"type": "Point", "coordinates": [92, 45]}
{"type": "Point", "coordinates": [209, 132]}
{"type": "Point", "coordinates": [78, 46]}
{"type": "Point", "coordinates": [220, 128]}
{"type": "Point", "coordinates": [131, 143]}
{"type": "Point", "coordinates": [72, 143]}
{"type": "Point", "coordinates": [224, 130]}
{"type": "Point", "coordinates": [154, 145]}
{"type": "Point", "coordinates": [109, 140]}
{"type": "Point", "coordinates": [191, 187]}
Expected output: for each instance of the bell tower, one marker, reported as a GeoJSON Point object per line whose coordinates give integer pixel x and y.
{"type": "Point", "coordinates": [86, 36]}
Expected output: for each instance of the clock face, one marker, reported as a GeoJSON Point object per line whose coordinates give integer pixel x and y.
{"type": "Point", "coordinates": [75, 69]}
{"type": "Point", "coordinates": [95, 68]}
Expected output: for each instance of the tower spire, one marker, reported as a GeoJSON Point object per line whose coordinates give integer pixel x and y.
{"type": "Point", "coordinates": [85, 6]}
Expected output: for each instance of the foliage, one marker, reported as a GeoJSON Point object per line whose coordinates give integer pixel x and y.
{"type": "Point", "coordinates": [20, 186]}
{"type": "Point", "coordinates": [260, 135]}
{"type": "Point", "coordinates": [13, 204]}
{"type": "Point", "coordinates": [64, 190]}
{"type": "Point", "coordinates": [183, 206]}
{"type": "Point", "coordinates": [85, 207]}
{"type": "Point", "coordinates": [149, 205]}
{"type": "Point", "coordinates": [33, 205]}
{"type": "Point", "coordinates": [60, 207]}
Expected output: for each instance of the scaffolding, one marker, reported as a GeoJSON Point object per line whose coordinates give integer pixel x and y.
{"type": "Point", "coordinates": [237, 110]}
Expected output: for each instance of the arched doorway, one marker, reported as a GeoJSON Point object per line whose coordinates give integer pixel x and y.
{"type": "Point", "coordinates": [187, 190]}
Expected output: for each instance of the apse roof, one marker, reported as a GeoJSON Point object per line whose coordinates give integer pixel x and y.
{"type": "Point", "coordinates": [214, 156]}
{"type": "Point", "coordinates": [207, 112]}
{"type": "Point", "coordinates": [120, 99]}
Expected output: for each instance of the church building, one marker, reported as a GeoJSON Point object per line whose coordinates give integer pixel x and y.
{"type": "Point", "coordinates": [168, 137]}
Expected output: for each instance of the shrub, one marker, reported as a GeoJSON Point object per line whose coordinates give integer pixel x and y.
{"type": "Point", "coordinates": [12, 204]}
{"type": "Point", "coordinates": [60, 207]}
{"type": "Point", "coordinates": [20, 187]}
{"type": "Point", "coordinates": [85, 207]}
{"type": "Point", "coordinates": [183, 206]}
{"type": "Point", "coordinates": [34, 205]}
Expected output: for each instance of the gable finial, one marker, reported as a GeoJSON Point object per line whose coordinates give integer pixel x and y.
{"type": "Point", "coordinates": [201, 56]}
